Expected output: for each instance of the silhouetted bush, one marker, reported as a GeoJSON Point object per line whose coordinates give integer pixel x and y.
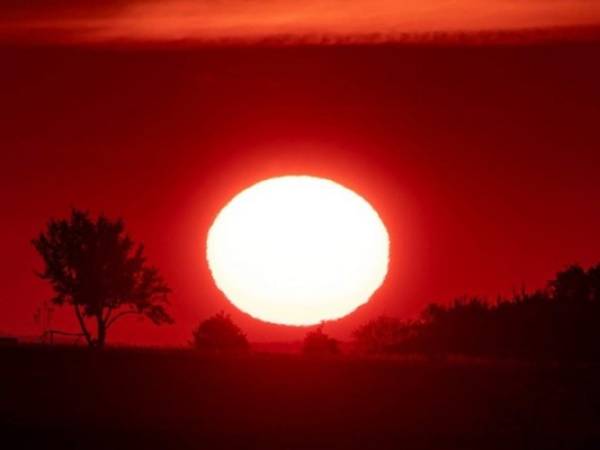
{"type": "Point", "coordinates": [318, 343]}
{"type": "Point", "coordinates": [561, 322]}
{"type": "Point", "coordinates": [381, 335]}
{"type": "Point", "coordinates": [219, 334]}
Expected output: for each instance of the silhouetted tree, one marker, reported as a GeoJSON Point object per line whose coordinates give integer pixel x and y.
{"type": "Point", "coordinates": [98, 270]}
{"type": "Point", "coordinates": [318, 343]}
{"type": "Point", "coordinates": [220, 334]}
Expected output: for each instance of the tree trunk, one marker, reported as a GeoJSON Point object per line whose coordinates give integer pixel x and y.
{"type": "Point", "coordinates": [84, 329]}
{"type": "Point", "coordinates": [101, 336]}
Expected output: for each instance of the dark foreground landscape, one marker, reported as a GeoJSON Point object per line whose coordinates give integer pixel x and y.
{"type": "Point", "coordinates": [179, 399]}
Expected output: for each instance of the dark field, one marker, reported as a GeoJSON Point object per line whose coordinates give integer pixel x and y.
{"type": "Point", "coordinates": [159, 399]}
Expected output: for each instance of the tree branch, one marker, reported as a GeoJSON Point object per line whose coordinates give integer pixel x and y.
{"type": "Point", "coordinates": [108, 314]}
{"type": "Point", "coordinates": [118, 316]}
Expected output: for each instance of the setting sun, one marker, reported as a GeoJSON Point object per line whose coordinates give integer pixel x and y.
{"type": "Point", "coordinates": [298, 250]}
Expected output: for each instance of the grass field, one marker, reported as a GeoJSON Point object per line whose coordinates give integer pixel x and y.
{"type": "Point", "coordinates": [58, 398]}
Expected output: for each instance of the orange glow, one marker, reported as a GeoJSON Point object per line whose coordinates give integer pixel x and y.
{"type": "Point", "coordinates": [298, 250]}
{"type": "Point", "coordinates": [314, 20]}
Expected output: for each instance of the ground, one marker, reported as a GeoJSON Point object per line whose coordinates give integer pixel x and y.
{"type": "Point", "coordinates": [127, 398]}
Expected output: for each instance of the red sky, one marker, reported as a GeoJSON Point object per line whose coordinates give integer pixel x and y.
{"type": "Point", "coordinates": [483, 161]}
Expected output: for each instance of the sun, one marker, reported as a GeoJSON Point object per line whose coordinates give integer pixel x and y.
{"type": "Point", "coordinates": [298, 250]}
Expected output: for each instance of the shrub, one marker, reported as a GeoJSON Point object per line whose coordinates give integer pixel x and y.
{"type": "Point", "coordinates": [318, 343]}
{"type": "Point", "coordinates": [382, 334]}
{"type": "Point", "coordinates": [219, 334]}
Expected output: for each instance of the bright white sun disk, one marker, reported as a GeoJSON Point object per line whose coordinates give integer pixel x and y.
{"type": "Point", "coordinates": [298, 250]}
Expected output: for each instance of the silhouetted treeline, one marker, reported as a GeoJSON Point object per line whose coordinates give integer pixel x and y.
{"type": "Point", "coordinates": [560, 322]}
